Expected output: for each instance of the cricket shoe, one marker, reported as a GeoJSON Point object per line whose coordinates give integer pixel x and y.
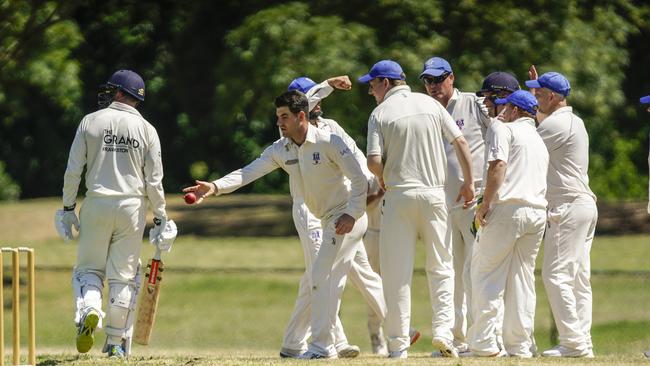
{"type": "Point", "coordinates": [86, 332]}
{"type": "Point", "coordinates": [445, 347]}
{"type": "Point", "coordinates": [348, 351]}
{"type": "Point", "coordinates": [311, 355]}
{"type": "Point", "coordinates": [562, 351]}
{"type": "Point", "coordinates": [398, 354]}
{"type": "Point", "coordinates": [290, 353]}
{"type": "Point", "coordinates": [414, 335]}
{"type": "Point", "coordinates": [116, 351]}
{"type": "Point", "coordinates": [378, 344]}
{"type": "Point", "coordinates": [646, 354]}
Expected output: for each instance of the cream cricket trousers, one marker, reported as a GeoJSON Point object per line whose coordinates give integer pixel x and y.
{"type": "Point", "coordinates": [503, 262]}
{"type": "Point", "coordinates": [111, 236]}
{"type": "Point", "coordinates": [566, 269]}
{"type": "Point", "coordinates": [462, 242]}
{"type": "Point", "coordinates": [409, 214]}
{"type": "Point", "coordinates": [361, 275]}
{"type": "Point", "coordinates": [328, 277]}
{"type": "Point", "coordinates": [371, 243]}
{"type": "Point", "coordinates": [110, 239]}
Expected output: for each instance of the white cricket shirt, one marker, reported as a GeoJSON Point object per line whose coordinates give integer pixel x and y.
{"type": "Point", "coordinates": [567, 142]}
{"type": "Point", "coordinates": [518, 144]}
{"type": "Point", "coordinates": [472, 119]}
{"type": "Point", "coordinates": [121, 152]}
{"type": "Point", "coordinates": [325, 162]}
{"type": "Point", "coordinates": [409, 130]}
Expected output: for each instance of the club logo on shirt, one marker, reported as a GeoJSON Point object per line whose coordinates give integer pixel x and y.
{"type": "Point", "coordinates": [291, 161]}
{"type": "Point", "coordinates": [316, 158]}
{"type": "Point", "coordinates": [121, 144]}
{"type": "Point", "coordinates": [345, 152]}
{"type": "Point", "coordinates": [460, 123]}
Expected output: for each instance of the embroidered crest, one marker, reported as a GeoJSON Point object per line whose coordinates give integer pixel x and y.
{"type": "Point", "coordinates": [460, 123]}
{"type": "Point", "coordinates": [316, 158]}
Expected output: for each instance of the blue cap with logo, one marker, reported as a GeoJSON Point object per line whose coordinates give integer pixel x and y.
{"type": "Point", "coordinates": [645, 100]}
{"type": "Point", "coordinates": [129, 82]}
{"type": "Point", "coordinates": [553, 81]}
{"type": "Point", "coordinates": [522, 99]}
{"type": "Point", "coordinates": [303, 84]}
{"type": "Point", "coordinates": [499, 81]}
{"type": "Point", "coordinates": [384, 69]}
{"type": "Point", "coordinates": [435, 66]}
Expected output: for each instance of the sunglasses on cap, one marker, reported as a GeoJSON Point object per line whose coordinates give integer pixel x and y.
{"type": "Point", "coordinates": [430, 80]}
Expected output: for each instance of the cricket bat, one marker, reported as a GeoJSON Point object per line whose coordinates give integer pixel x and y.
{"type": "Point", "coordinates": [148, 304]}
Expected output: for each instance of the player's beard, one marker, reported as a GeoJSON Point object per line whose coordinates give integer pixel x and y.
{"type": "Point", "coordinates": [313, 115]}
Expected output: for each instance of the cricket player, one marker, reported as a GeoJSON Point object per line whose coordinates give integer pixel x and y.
{"type": "Point", "coordinates": [646, 100]}
{"type": "Point", "coordinates": [121, 153]}
{"type": "Point", "coordinates": [498, 84]}
{"type": "Point", "coordinates": [316, 93]}
{"type": "Point", "coordinates": [572, 216]}
{"type": "Point", "coordinates": [406, 152]}
{"type": "Point", "coordinates": [320, 162]}
{"type": "Point", "coordinates": [512, 218]}
{"type": "Point", "coordinates": [309, 230]}
{"type": "Point", "coordinates": [471, 117]}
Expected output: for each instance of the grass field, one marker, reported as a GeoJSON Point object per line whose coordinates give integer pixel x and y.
{"type": "Point", "coordinates": [226, 300]}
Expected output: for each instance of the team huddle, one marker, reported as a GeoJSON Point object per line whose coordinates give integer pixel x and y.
{"type": "Point", "coordinates": [478, 178]}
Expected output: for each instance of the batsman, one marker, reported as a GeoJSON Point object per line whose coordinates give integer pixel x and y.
{"type": "Point", "coordinates": [120, 152]}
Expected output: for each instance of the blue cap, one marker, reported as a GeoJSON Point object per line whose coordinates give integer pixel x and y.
{"type": "Point", "coordinates": [645, 100]}
{"type": "Point", "coordinates": [551, 80]}
{"type": "Point", "coordinates": [522, 99]}
{"type": "Point", "coordinates": [384, 69]}
{"type": "Point", "coordinates": [129, 82]}
{"type": "Point", "coordinates": [499, 81]}
{"type": "Point", "coordinates": [303, 84]}
{"type": "Point", "coordinates": [435, 66]}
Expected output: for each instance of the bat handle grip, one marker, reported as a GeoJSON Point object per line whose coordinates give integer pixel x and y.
{"type": "Point", "coordinates": [157, 254]}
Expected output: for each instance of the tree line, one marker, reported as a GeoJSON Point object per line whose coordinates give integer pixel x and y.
{"type": "Point", "coordinates": [212, 70]}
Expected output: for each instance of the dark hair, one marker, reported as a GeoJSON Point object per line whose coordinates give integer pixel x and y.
{"type": "Point", "coordinates": [295, 100]}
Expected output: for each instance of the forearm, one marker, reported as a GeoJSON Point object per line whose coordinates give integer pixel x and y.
{"type": "Point", "coordinates": [376, 166]}
{"type": "Point", "coordinates": [495, 177]}
{"type": "Point", "coordinates": [461, 148]}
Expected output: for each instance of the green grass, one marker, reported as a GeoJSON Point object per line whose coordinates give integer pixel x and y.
{"type": "Point", "coordinates": [226, 300]}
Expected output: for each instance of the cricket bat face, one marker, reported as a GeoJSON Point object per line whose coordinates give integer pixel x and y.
{"type": "Point", "coordinates": [148, 302]}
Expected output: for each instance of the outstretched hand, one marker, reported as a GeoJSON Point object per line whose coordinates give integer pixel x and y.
{"type": "Point", "coordinates": [340, 82]}
{"type": "Point", "coordinates": [532, 75]}
{"type": "Point", "coordinates": [201, 190]}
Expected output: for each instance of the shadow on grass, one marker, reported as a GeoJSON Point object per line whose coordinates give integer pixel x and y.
{"type": "Point", "coordinates": [58, 361]}
{"type": "Point", "coordinates": [237, 215]}
{"type": "Point", "coordinates": [621, 337]}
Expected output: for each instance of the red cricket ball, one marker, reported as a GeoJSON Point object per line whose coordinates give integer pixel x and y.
{"type": "Point", "coordinates": [190, 198]}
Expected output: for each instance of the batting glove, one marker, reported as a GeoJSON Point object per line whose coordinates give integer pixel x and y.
{"type": "Point", "coordinates": [163, 234]}
{"type": "Point", "coordinates": [64, 220]}
{"type": "Point", "coordinates": [157, 229]}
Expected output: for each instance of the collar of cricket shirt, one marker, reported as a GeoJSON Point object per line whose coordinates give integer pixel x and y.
{"type": "Point", "coordinates": [566, 109]}
{"type": "Point", "coordinates": [124, 107]}
{"type": "Point", "coordinates": [527, 120]}
{"type": "Point", "coordinates": [396, 90]}
{"type": "Point", "coordinates": [452, 101]}
{"type": "Point", "coordinates": [311, 133]}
